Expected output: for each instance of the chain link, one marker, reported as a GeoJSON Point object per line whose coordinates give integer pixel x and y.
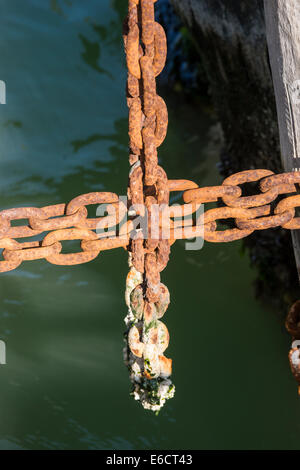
{"type": "Point", "coordinates": [63, 222]}
{"type": "Point", "coordinates": [146, 51]}
{"type": "Point", "coordinates": [250, 213]}
{"type": "Point", "coordinates": [293, 327]}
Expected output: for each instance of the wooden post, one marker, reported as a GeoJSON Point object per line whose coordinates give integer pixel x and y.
{"type": "Point", "coordinates": [283, 37]}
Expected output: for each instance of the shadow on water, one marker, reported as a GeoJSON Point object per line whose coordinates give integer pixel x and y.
{"type": "Point", "coordinates": [64, 133]}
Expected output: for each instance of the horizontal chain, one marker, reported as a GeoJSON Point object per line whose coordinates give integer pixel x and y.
{"type": "Point", "coordinates": [70, 221]}
{"type": "Point", "coordinates": [250, 213]}
{"type": "Point", "coordinates": [62, 222]}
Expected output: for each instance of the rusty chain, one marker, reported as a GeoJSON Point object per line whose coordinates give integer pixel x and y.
{"type": "Point", "coordinates": [56, 223]}
{"type": "Point", "coordinates": [70, 221]}
{"type": "Point", "coordinates": [148, 337]}
{"type": "Point", "coordinates": [147, 298]}
{"type": "Point", "coordinates": [293, 327]}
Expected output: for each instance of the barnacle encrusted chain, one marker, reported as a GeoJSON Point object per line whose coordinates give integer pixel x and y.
{"type": "Point", "coordinates": [147, 298]}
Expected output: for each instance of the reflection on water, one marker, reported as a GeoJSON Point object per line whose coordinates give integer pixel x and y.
{"type": "Point", "coordinates": [121, 125]}
{"type": "Point", "coordinates": [63, 133]}
{"type": "Point", "coordinates": [91, 55]}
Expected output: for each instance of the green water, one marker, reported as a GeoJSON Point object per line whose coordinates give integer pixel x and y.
{"type": "Point", "coordinates": [63, 133]}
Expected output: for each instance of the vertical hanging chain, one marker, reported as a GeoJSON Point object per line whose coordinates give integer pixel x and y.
{"type": "Point", "coordinates": [293, 327]}
{"type": "Point", "coordinates": [147, 298]}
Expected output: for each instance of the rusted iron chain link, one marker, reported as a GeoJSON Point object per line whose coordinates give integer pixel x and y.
{"type": "Point", "coordinates": [60, 222]}
{"type": "Point", "coordinates": [249, 212]}
{"type": "Point", "coordinates": [70, 221]}
{"type": "Point", "coordinates": [293, 327]}
{"type": "Point", "coordinates": [146, 51]}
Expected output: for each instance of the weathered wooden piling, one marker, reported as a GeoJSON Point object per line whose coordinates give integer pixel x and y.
{"type": "Point", "coordinates": [283, 37]}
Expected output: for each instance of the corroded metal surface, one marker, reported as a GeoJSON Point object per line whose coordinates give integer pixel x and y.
{"type": "Point", "coordinates": [146, 50]}
{"type": "Point", "coordinates": [293, 327]}
{"type": "Point", "coordinates": [61, 222]}
{"type": "Point", "coordinates": [293, 320]}
{"type": "Point", "coordinates": [294, 358]}
{"type": "Point", "coordinates": [113, 230]}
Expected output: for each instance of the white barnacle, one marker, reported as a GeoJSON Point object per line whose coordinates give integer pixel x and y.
{"type": "Point", "coordinates": [295, 357]}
